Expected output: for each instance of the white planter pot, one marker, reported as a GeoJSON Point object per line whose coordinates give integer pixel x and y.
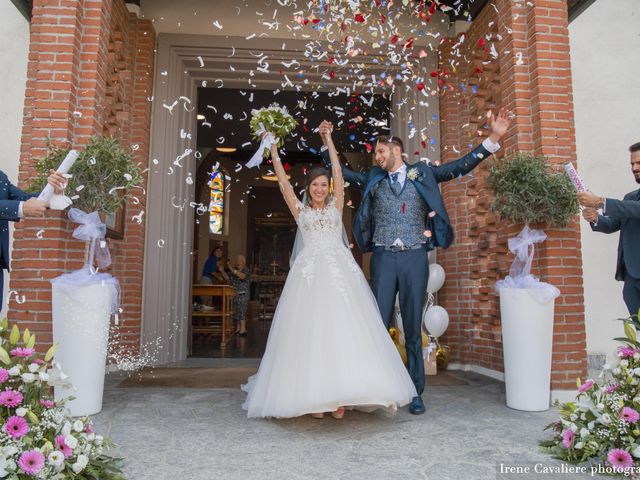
{"type": "Point", "coordinates": [81, 316]}
{"type": "Point", "coordinates": [527, 340]}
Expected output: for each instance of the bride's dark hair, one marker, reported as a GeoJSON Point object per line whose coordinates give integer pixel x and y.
{"type": "Point", "coordinates": [314, 173]}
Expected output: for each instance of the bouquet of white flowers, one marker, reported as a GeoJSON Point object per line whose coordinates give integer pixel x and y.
{"type": "Point", "coordinates": [38, 438]}
{"type": "Point", "coordinates": [273, 119]}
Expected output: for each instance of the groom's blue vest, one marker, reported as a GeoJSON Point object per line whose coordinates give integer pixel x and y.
{"type": "Point", "coordinates": [398, 216]}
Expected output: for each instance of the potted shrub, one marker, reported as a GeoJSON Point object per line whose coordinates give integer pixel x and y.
{"type": "Point", "coordinates": [528, 191]}
{"type": "Point", "coordinates": [84, 300]}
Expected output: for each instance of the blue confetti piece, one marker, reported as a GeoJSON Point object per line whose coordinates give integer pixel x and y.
{"type": "Point", "coordinates": [433, 141]}
{"type": "Point", "coordinates": [434, 117]}
{"type": "Point", "coordinates": [352, 137]}
{"type": "Point", "coordinates": [383, 75]}
{"type": "Point", "coordinates": [474, 89]}
{"type": "Point", "coordinates": [313, 150]}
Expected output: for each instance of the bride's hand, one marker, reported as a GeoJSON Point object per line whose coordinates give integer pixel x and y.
{"type": "Point", "coordinates": [325, 130]}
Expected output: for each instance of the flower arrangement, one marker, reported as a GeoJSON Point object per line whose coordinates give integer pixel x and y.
{"type": "Point", "coordinates": [602, 426]}
{"type": "Point", "coordinates": [274, 119]}
{"type": "Point", "coordinates": [38, 438]}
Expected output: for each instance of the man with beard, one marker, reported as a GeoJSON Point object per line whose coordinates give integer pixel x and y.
{"type": "Point", "coordinates": [624, 216]}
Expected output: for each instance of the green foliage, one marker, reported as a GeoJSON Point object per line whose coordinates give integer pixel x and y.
{"type": "Point", "coordinates": [274, 119]}
{"type": "Point", "coordinates": [102, 176]}
{"type": "Point", "coordinates": [527, 190]}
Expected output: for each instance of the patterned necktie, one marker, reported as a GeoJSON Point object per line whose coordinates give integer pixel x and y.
{"type": "Point", "coordinates": [395, 184]}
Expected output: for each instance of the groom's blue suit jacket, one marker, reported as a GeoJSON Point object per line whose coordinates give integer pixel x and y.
{"type": "Point", "coordinates": [10, 198]}
{"type": "Point", "coordinates": [426, 183]}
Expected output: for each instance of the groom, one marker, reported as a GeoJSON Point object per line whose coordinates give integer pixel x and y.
{"type": "Point", "coordinates": [401, 217]}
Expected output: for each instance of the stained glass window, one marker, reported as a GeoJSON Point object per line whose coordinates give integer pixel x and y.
{"type": "Point", "coordinates": [216, 202]}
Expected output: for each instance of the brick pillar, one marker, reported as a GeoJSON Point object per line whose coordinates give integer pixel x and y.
{"type": "Point", "coordinates": [531, 76]}
{"type": "Point", "coordinates": [89, 73]}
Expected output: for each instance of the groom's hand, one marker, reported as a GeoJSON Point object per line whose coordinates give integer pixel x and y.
{"type": "Point", "coordinates": [500, 124]}
{"type": "Point", "coordinates": [325, 130]}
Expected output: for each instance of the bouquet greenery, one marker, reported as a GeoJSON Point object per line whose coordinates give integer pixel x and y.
{"type": "Point", "coordinates": [38, 438]}
{"type": "Point", "coordinates": [273, 119]}
{"type": "Point", "coordinates": [602, 426]}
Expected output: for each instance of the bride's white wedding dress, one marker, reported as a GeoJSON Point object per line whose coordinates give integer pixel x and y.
{"type": "Point", "coordinates": [327, 345]}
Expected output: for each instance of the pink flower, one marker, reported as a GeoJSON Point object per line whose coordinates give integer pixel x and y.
{"type": "Point", "coordinates": [66, 450]}
{"type": "Point", "coordinates": [47, 403]}
{"type": "Point", "coordinates": [586, 386]}
{"type": "Point", "coordinates": [22, 352]}
{"type": "Point", "coordinates": [629, 415]}
{"type": "Point", "coordinates": [31, 462]}
{"type": "Point", "coordinates": [612, 388]}
{"type": "Point", "coordinates": [10, 398]}
{"type": "Point", "coordinates": [16, 427]}
{"type": "Point", "coordinates": [626, 352]}
{"type": "Point", "coordinates": [4, 375]}
{"type": "Point", "coordinates": [88, 428]}
{"type": "Point", "coordinates": [619, 459]}
{"type": "Point", "coordinates": [567, 438]}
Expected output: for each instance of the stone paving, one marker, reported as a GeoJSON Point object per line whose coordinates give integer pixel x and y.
{"type": "Point", "coordinates": [202, 434]}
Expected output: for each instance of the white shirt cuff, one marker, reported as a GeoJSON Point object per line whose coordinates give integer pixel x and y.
{"type": "Point", "coordinates": [20, 213]}
{"type": "Point", "coordinates": [490, 146]}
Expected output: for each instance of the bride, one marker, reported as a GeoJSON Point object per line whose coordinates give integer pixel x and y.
{"type": "Point", "coordinates": [327, 347]}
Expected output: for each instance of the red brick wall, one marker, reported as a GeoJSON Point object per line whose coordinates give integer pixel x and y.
{"type": "Point", "coordinates": [538, 90]}
{"type": "Point", "coordinates": [90, 73]}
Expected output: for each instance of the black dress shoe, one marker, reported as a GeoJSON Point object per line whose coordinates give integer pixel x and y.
{"type": "Point", "coordinates": [416, 407]}
{"type": "Point", "coordinates": [243, 334]}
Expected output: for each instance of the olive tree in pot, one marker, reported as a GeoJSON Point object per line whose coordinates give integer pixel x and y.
{"type": "Point", "coordinates": [84, 300]}
{"type": "Point", "coordinates": [528, 191]}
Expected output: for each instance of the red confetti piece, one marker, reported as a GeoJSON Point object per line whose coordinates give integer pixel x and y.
{"type": "Point", "coordinates": [382, 18]}
{"type": "Point", "coordinates": [359, 18]}
{"type": "Point", "coordinates": [404, 207]}
{"type": "Point", "coordinates": [482, 42]}
{"type": "Point", "coordinates": [368, 146]}
{"type": "Point", "coordinates": [331, 74]}
{"type": "Point", "coordinates": [394, 39]}
{"type": "Point", "coordinates": [316, 21]}
{"type": "Point", "coordinates": [424, 144]}
{"type": "Point", "coordinates": [287, 167]}
{"type": "Point", "coordinates": [432, 8]}
{"type": "Point", "coordinates": [434, 74]}
{"type": "Point", "coordinates": [408, 43]}
{"type": "Point", "coordinates": [420, 86]}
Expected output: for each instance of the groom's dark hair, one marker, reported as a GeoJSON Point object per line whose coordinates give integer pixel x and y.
{"type": "Point", "coordinates": [387, 139]}
{"type": "Point", "coordinates": [635, 147]}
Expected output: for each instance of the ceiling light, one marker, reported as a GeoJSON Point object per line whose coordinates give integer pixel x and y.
{"type": "Point", "coordinates": [226, 149]}
{"type": "Point", "coordinates": [273, 177]}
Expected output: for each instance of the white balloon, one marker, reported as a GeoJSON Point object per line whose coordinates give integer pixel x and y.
{"type": "Point", "coordinates": [436, 320]}
{"type": "Point", "coordinates": [436, 278]}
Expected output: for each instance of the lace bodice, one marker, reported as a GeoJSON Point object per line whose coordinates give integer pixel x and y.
{"type": "Point", "coordinates": [322, 234]}
{"type": "Point", "coordinates": [320, 227]}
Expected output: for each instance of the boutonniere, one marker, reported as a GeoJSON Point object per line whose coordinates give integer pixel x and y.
{"type": "Point", "coordinates": [413, 174]}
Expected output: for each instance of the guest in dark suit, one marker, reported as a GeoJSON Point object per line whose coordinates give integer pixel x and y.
{"type": "Point", "coordinates": [401, 217]}
{"type": "Point", "coordinates": [623, 216]}
{"type": "Point", "coordinates": [14, 205]}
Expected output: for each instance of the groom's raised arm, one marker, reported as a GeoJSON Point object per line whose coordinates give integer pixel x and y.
{"type": "Point", "coordinates": [464, 165]}
{"type": "Point", "coordinates": [354, 178]}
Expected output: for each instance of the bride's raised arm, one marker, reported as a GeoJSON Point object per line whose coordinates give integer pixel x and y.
{"type": "Point", "coordinates": [325, 130]}
{"type": "Point", "coordinates": [285, 186]}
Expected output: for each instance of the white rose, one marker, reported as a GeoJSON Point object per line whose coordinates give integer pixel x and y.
{"type": "Point", "coordinates": [636, 356]}
{"type": "Point", "coordinates": [28, 377]}
{"type": "Point", "coordinates": [11, 465]}
{"type": "Point", "coordinates": [584, 432]}
{"type": "Point", "coordinates": [636, 452]}
{"type": "Point", "coordinates": [14, 371]}
{"type": "Point", "coordinates": [579, 445]}
{"type": "Point", "coordinates": [33, 368]}
{"type": "Point", "coordinates": [56, 459]}
{"type": "Point", "coordinates": [82, 460]}
{"type": "Point", "coordinates": [77, 468]}
{"type": "Point", "coordinates": [21, 412]}
{"type": "Point", "coordinates": [98, 440]}
{"type": "Point", "coordinates": [71, 441]}
{"type": "Point", "coordinates": [600, 406]}
{"type": "Point", "coordinates": [44, 377]}
{"type": "Point", "coordinates": [91, 437]}
{"type": "Point", "coordinates": [605, 419]}
{"type": "Point", "coordinates": [78, 425]}
{"type": "Point", "coordinates": [624, 363]}
{"type": "Point", "coordinates": [573, 417]}
{"type": "Point", "coordinates": [636, 371]}
{"type": "Point", "coordinates": [66, 429]}
{"type": "Point", "coordinates": [616, 371]}
{"type": "Point", "coordinates": [591, 425]}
